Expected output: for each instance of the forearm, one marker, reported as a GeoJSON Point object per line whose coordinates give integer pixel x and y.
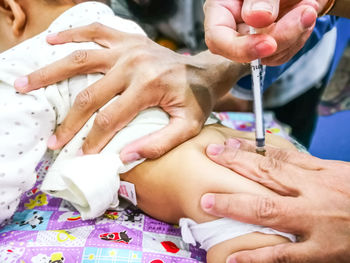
{"type": "Point", "coordinates": [341, 8]}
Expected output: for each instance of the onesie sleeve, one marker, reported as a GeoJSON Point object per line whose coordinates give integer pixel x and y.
{"type": "Point", "coordinates": [26, 123]}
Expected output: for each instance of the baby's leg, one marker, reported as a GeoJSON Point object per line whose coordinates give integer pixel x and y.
{"type": "Point", "coordinates": [170, 187]}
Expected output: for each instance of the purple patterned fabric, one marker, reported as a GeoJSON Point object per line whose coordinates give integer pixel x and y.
{"type": "Point", "coordinates": [46, 228]}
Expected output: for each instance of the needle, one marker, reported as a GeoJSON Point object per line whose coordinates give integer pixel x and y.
{"type": "Point", "coordinates": [257, 76]}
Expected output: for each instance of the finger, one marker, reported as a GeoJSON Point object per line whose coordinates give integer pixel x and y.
{"type": "Point", "coordinates": [226, 42]}
{"type": "Point", "coordinates": [277, 212]}
{"type": "Point", "coordinates": [284, 55]}
{"type": "Point", "coordinates": [96, 32]}
{"type": "Point", "coordinates": [290, 253]}
{"type": "Point", "coordinates": [79, 62]}
{"type": "Point", "coordinates": [291, 33]}
{"type": "Point", "coordinates": [260, 13]}
{"type": "Point", "coordinates": [86, 103]}
{"type": "Point", "coordinates": [279, 176]}
{"type": "Point", "coordinates": [222, 37]}
{"type": "Point", "coordinates": [158, 143]}
{"type": "Point", "coordinates": [292, 25]}
{"type": "Point", "coordinates": [300, 159]}
{"type": "Point", "coordinates": [113, 118]}
{"type": "Point", "coordinates": [228, 12]}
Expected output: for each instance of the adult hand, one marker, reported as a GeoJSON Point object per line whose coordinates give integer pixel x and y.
{"type": "Point", "coordinates": [146, 75]}
{"type": "Point", "coordinates": [285, 27]}
{"type": "Point", "coordinates": [313, 202]}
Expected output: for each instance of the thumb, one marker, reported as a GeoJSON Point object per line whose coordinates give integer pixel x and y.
{"type": "Point", "coordinates": [260, 13]}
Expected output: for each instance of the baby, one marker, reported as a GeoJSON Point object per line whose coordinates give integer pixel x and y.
{"type": "Point", "coordinates": [168, 188]}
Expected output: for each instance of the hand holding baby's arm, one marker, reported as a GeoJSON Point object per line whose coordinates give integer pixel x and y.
{"type": "Point", "coordinates": [186, 87]}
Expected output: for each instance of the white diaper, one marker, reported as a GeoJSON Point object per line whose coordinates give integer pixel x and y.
{"type": "Point", "coordinates": [214, 232]}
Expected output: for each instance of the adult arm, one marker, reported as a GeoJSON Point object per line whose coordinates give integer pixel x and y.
{"type": "Point", "coordinates": [314, 202]}
{"type": "Point", "coordinates": [147, 75]}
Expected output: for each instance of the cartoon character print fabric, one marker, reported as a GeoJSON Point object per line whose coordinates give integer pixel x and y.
{"type": "Point", "coordinates": [47, 229]}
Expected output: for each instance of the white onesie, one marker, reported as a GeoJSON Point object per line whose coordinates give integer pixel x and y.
{"type": "Point", "coordinates": [89, 182]}
{"type": "Point", "coordinates": [27, 121]}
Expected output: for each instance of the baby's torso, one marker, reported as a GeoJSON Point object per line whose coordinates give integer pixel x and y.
{"type": "Point", "coordinates": [28, 120]}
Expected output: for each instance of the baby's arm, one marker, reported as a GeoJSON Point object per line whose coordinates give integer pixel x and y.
{"type": "Point", "coordinates": [170, 188]}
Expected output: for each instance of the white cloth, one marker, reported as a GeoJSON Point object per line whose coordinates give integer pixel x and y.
{"type": "Point", "coordinates": [91, 182]}
{"type": "Point", "coordinates": [214, 232]}
{"type": "Point", "coordinates": [28, 120]}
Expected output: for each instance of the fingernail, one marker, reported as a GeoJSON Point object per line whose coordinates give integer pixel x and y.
{"type": "Point", "coordinates": [208, 201]}
{"type": "Point", "coordinates": [265, 48]}
{"type": "Point", "coordinates": [52, 141]}
{"type": "Point", "coordinates": [130, 157]}
{"type": "Point", "coordinates": [262, 6]}
{"type": "Point", "coordinates": [51, 37]}
{"type": "Point", "coordinates": [231, 260]}
{"type": "Point", "coordinates": [80, 152]}
{"type": "Point", "coordinates": [233, 143]}
{"type": "Point", "coordinates": [215, 149]}
{"type": "Point", "coordinates": [308, 17]}
{"type": "Point", "coordinates": [21, 83]}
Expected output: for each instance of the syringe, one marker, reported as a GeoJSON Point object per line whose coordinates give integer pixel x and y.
{"type": "Point", "coordinates": [257, 78]}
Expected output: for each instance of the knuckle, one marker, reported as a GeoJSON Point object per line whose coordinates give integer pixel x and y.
{"type": "Point", "coordinates": [138, 58]}
{"type": "Point", "coordinates": [43, 76]}
{"type": "Point", "coordinates": [280, 255]}
{"type": "Point", "coordinates": [155, 151]}
{"type": "Point", "coordinates": [87, 146]}
{"type": "Point", "coordinates": [282, 155]}
{"type": "Point", "coordinates": [227, 207]}
{"type": "Point", "coordinates": [103, 121]}
{"type": "Point", "coordinates": [268, 164]}
{"type": "Point", "coordinates": [343, 251]}
{"type": "Point", "coordinates": [79, 57]}
{"type": "Point", "coordinates": [210, 42]}
{"type": "Point", "coordinates": [208, 6]}
{"type": "Point", "coordinates": [141, 41]}
{"type": "Point", "coordinates": [84, 100]}
{"type": "Point", "coordinates": [194, 127]}
{"type": "Point", "coordinates": [95, 28]}
{"type": "Point", "coordinates": [205, 7]}
{"type": "Point", "coordinates": [63, 131]}
{"type": "Point", "coordinates": [266, 208]}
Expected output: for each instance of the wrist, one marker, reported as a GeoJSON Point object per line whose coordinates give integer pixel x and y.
{"type": "Point", "coordinates": [219, 74]}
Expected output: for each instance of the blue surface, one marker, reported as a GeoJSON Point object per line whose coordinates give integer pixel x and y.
{"type": "Point", "coordinates": [331, 139]}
